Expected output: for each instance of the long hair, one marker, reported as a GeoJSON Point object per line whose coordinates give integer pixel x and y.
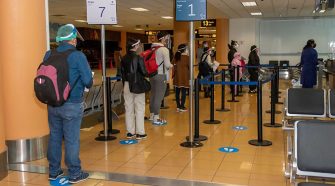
{"type": "Point", "coordinates": [181, 49]}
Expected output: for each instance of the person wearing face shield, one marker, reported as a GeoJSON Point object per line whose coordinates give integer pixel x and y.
{"type": "Point", "coordinates": [131, 64]}
{"type": "Point", "coordinates": [309, 62]}
{"type": "Point", "coordinates": [253, 61]}
{"type": "Point", "coordinates": [181, 76]}
{"type": "Point", "coordinates": [159, 81]}
{"type": "Point", "coordinates": [206, 67]}
{"type": "Point", "coordinates": [65, 120]}
{"type": "Point", "coordinates": [232, 50]}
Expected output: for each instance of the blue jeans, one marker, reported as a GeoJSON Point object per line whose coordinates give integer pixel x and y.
{"type": "Point", "coordinates": [65, 121]}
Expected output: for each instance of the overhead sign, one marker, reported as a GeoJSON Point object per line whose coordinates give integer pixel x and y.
{"type": "Point", "coordinates": [101, 12]}
{"type": "Point", "coordinates": [205, 36]}
{"type": "Point", "coordinates": [228, 149]}
{"type": "Point", "coordinates": [191, 10]}
{"type": "Point", "coordinates": [208, 23]}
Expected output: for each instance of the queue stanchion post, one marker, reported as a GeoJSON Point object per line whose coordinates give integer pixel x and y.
{"type": "Point", "coordinates": [110, 112]}
{"type": "Point", "coordinates": [259, 141]}
{"type": "Point", "coordinates": [190, 143]}
{"type": "Point", "coordinates": [274, 92]}
{"type": "Point", "coordinates": [105, 135]}
{"type": "Point", "coordinates": [273, 106]}
{"type": "Point", "coordinates": [277, 86]}
{"type": "Point", "coordinates": [233, 91]}
{"type": "Point", "coordinates": [223, 93]}
{"type": "Point", "coordinates": [238, 87]}
{"type": "Point", "coordinates": [212, 119]}
{"type": "Point", "coordinates": [197, 136]}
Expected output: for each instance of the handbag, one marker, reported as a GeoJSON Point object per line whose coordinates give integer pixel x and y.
{"type": "Point", "coordinates": [137, 82]}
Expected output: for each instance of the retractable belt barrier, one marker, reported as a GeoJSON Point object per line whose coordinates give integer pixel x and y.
{"type": "Point", "coordinates": [257, 142]}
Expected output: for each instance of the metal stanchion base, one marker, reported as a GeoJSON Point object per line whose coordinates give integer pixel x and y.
{"type": "Point", "coordinates": [223, 110]}
{"type": "Point", "coordinates": [165, 107]}
{"type": "Point", "coordinates": [276, 112]}
{"type": "Point", "coordinates": [105, 138]}
{"type": "Point", "coordinates": [233, 101]}
{"type": "Point", "coordinates": [275, 125]}
{"type": "Point", "coordinates": [191, 144]}
{"type": "Point", "coordinates": [260, 143]}
{"type": "Point", "coordinates": [113, 131]}
{"type": "Point", "coordinates": [200, 138]}
{"type": "Point", "coordinates": [212, 122]}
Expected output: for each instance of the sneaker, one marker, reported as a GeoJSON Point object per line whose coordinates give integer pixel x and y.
{"type": "Point", "coordinates": [159, 122]}
{"type": "Point", "coordinates": [54, 177]}
{"type": "Point", "coordinates": [178, 110]}
{"type": "Point", "coordinates": [141, 136]}
{"type": "Point", "coordinates": [151, 118]}
{"type": "Point", "coordinates": [130, 135]}
{"type": "Point", "coordinates": [82, 177]}
{"type": "Point", "coordinates": [183, 109]}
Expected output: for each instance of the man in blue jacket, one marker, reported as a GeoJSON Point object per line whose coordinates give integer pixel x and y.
{"type": "Point", "coordinates": [65, 121]}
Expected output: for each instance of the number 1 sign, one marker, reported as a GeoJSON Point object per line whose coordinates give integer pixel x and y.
{"type": "Point", "coordinates": [191, 10]}
{"type": "Point", "coordinates": [101, 12]}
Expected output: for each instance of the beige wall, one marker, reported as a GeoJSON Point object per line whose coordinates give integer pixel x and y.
{"type": "Point", "coordinates": [23, 44]}
{"type": "Point", "coordinates": [222, 40]}
{"type": "Point", "coordinates": [180, 34]}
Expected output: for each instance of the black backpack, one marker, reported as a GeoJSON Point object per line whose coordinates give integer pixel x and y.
{"type": "Point", "coordinates": [51, 84]}
{"type": "Point", "coordinates": [204, 68]}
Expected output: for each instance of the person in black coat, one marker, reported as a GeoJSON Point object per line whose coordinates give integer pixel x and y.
{"type": "Point", "coordinates": [232, 50]}
{"type": "Point", "coordinates": [253, 61]}
{"type": "Point", "coordinates": [309, 61]}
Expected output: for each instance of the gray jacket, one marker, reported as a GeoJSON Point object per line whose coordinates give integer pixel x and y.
{"type": "Point", "coordinates": [162, 55]}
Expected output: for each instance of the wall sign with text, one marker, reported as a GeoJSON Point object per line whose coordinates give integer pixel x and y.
{"type": "Point", "coordinates": [101, 11]}
{"type": "Point", "coordinates": [191, 10]}
{"type": "Point", "coordinates": [208, 23]}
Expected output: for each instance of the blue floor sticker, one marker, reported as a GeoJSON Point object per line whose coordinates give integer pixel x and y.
{"type": "Point", "coordinates": [228, 149]}
{"type": "Point", "coordinates": [240, 127]}
{"type": "Point", "coordinates": [128, 142]}
{"type": "Point", "coordinates": [62, 181]}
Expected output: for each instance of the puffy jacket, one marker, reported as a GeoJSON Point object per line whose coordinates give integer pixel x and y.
{"type": "Point", "coordinates": [128, 61]}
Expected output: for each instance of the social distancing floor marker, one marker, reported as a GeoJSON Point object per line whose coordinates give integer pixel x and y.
{"type": "Point", "coordinates": [128, 142]}
{"type": "Point", "coordinates": [228, 149]}
{"type": "Point", "coordinates": [62, 181]}
{"type": "Point", "coordinates": [240, 127]}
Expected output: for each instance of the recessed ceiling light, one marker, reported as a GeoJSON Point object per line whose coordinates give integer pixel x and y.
{"type": "Point", "coordinates": [80, 21]}
{"type": "Point", "coordinates": [118, 26]}
{"type": "Point", "coordinates": [167, 17]}
{"type": "Point", "coordinates": [138, 28]}
{"type": "Point", "coordinates": [256, 13]}
{"type": "Point", "coordinates": [252, 3]}
{"type": "Point", "coordinates": [140, 9]}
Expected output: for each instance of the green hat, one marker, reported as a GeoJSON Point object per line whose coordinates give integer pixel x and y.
{"type": "Point", "coordinates": [66, 32]}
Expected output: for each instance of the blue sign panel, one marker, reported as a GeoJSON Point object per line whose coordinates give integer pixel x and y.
{"type": "Point", "coordinates": [62, 181]}
{"type": "Point", "coordinates": [240, 128]}
{"type": "Point", "coordinates": [228, 149]}
{"type": "Point", "coordinates": [128, 142]}
{"type": "Point", "coordinates": [191, 10]}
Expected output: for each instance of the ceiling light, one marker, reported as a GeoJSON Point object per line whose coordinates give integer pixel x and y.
{"type": "Point", "coordinates": [80, 21]}
{"type": "Point", "coordinates": [138, 28]}
{"type": "Point", "coordinates": [140, 9]}
{"type": "Point", "coordinates": [117, 26]}
{"type": "Point", "coordinates": [167, 17]}
{"type": "Point", "coordinates": [252, 3]}
{"type": "Point", "coordinates": [256, 13]}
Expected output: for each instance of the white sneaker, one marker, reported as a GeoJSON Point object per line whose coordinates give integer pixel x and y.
{"type": "Point", "coordinates": [151, 118]}
{"type": "Point", "coordinates": [178, 110]}
{"type": "Point", "coordinates": [159, 122]}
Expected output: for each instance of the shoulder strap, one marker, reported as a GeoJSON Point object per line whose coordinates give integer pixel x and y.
{"type": "Point", "coordinates": [202, 56]}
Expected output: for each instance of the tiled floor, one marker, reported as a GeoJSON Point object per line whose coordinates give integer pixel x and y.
{"type": "Point", "coordinates": [160, 155]}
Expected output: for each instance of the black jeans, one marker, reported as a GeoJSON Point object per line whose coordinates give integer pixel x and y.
{"type": "Point", "coordinates": [180, 101]}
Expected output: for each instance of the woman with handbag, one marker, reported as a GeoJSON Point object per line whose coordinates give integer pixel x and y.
{"type": "Point", "coordinates": [181, 77]}
{"type": "Point", "coordinates": [135, 85]}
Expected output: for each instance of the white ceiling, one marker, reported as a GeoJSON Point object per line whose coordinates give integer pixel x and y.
{"type": "Point", "coordinates": [151, 20]}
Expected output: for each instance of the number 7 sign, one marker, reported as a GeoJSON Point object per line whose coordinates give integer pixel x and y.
{"type": "Point", "coordinates": [101, 12]}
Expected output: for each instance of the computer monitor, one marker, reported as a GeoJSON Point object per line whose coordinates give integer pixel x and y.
{"type": "Point", "coordinates": [273, 62]}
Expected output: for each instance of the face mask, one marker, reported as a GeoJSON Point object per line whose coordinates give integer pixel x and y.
{"type": "Point", "coordinates": [236, 46]}
{"type": "Point", "coordinates": [205, 45]}
{"type": "Point", "coordinates": [186, 51]}
{"type": "Point", "coordinates": [314, 45]}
